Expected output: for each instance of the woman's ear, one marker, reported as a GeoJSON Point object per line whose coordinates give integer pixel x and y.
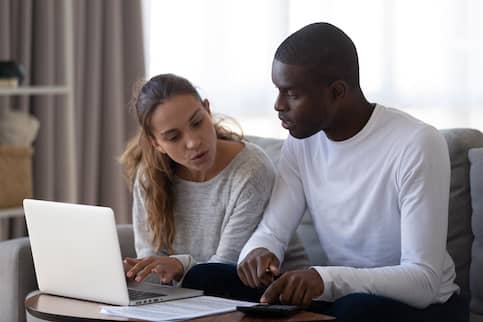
{"type": "Point", "coordinates": [206, 105]}
{"type": "Point", "coordinates": [156, 145]}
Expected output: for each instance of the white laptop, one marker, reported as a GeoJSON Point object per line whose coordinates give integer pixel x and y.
{"type": "Point", "coordinates": [76, 254]}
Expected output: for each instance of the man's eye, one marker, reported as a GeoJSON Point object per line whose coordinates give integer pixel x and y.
{"type": "Point", "coordinates": [292, 95]}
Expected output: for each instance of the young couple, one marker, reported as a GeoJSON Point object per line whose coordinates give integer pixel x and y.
{"type": "Point", "coordinates": [375, 180]}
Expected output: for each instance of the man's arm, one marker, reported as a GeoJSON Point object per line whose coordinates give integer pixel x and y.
{"type": "Point", "coordinates": [284, 211]}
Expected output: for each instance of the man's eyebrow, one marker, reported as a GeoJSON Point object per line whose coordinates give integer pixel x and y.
{"type": "Point", "coordinates": [287, 88]}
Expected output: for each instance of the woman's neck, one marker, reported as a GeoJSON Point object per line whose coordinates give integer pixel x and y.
{"type": "Point", "coordinates": [226, 151]}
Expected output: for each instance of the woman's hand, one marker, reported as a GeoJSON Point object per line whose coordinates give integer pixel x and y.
{"type": "Point", "coordinates": [167, 268]}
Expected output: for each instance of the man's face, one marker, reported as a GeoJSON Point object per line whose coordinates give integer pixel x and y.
{"type": "Point", "coordinates": [303, 104]}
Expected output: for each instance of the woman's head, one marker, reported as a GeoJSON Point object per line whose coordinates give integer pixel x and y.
{"type": "Point", "coordinates": [177, 122]}
{"type": "Point", "coordinates": [176, 131]}
{"type": "Point", "coordinates": [156, 91]}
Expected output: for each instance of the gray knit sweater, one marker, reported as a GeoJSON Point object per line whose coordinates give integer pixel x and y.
{"type": "Point", "coordinates": [215, 218]}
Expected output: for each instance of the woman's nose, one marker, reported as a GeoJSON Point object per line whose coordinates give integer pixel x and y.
{"type": "Point", "coordinates": [192, 142]}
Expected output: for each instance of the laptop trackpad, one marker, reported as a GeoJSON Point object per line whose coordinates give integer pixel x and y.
{"type": "Point", "coordinates": [149, 287]}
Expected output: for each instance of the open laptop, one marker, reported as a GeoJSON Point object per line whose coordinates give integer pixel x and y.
{"type": "Point", "coordinates": [76, 253]}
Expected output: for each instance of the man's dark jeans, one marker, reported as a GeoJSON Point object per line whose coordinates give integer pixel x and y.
{"type": "Point", "coordinates": [222, 280]}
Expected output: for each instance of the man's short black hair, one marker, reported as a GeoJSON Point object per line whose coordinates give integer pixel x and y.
{"type": "Point", "coordinates": [325, 49]}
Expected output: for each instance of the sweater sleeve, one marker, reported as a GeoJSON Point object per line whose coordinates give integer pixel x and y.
{"type": "Point", "coordinates": [250, 201]}
{"type": "Point", "coordinates": [287, 201]}
{"type": "Point", "coordinates": [250, 190]}
{"type": "Point", "coordinates": [423, 182]}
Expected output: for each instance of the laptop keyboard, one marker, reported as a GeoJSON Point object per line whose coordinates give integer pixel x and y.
{"type": "Point", "coordinates": [135, 295]}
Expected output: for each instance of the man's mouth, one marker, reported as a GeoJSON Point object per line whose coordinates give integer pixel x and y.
{"type": "Point", "coordinates": [285, 122]}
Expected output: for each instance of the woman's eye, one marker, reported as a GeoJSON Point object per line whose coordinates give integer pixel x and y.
{"type": "Point", "coordinates": [197, 123]}
{"type": "Point", "coordinates": [172, 138]}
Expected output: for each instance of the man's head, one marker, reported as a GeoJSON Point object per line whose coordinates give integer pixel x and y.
{"type": "Point", "coordinates": [316, 70]}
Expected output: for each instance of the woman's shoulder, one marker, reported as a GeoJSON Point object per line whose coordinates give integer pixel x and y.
{"type": "Point", "coordinates": [253, 159]}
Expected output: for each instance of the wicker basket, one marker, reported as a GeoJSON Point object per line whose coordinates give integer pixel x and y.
{"type": "Point", "coordinates": [15, 175]}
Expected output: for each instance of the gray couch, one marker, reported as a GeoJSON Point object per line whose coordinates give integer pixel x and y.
{"type": "Point", "coordinates": [465, 232]}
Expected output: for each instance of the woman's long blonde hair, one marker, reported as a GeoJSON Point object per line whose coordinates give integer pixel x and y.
{"type": "Point", "coordinates": [154, 170]}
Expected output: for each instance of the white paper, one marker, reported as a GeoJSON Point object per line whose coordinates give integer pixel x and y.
{"type": "Point", "coordinates": [177, 309]}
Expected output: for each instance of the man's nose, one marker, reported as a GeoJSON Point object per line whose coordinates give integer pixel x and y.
{"type": "Point", "coordinates": [280, 105]}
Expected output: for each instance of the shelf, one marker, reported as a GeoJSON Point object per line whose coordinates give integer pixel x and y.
{"type": "Point", "coordinates": [11, 212]}
{"type": "Point", "coordinates": [34, 90]}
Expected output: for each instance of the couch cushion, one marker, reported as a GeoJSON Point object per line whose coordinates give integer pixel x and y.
{"type": "Point", "coordinates": [126, 240]}
{"type": "Point", "coordinates": [476, 268]}
{"type": "Point", "coordinates": [460, 236]}
{"type": "Point", "coordinates": [17, 278]}
{"type": "Point", "coordinates": [272, 147]}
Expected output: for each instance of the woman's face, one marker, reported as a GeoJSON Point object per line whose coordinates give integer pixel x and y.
{"type": "Point", "coordinates": [183, 130]}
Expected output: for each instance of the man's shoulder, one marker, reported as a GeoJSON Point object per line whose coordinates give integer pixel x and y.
{"type": "Point", "coordinates": [405, 125]}
{"type": "Point", "coordinates": [410, 133]}
{"type": "Point", "coordinates": [390, 114]}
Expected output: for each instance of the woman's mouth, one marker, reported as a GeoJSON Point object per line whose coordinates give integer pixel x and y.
{"type": "Point", "coordinates": [199, 156]}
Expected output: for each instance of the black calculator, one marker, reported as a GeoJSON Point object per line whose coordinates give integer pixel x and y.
{"type": "Point", "coordinates": [273, 310]}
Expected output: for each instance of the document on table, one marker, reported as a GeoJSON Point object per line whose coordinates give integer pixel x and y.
{"type": "Point", "coordinates": [177, 309]}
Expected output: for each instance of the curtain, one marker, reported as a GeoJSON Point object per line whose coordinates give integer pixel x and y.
{"type": "Point", "coordinates": [109, 55]}
{"type": "Point", "coordinates": [76, 151]}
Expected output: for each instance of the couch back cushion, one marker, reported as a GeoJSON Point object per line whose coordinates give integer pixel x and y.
{"type": "Point", "coordinates": [476, 268]}
{"type": "Point", "coordinates": [460, 235]}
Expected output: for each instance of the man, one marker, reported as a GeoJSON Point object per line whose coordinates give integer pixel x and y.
{"type": "Point", "coordinates": [376, 182]}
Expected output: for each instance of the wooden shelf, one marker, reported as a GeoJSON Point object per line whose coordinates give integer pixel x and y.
{"type": "Point", "coordinates": [35, 90]}
{"type": "Point", "coordinates": [11, 212]}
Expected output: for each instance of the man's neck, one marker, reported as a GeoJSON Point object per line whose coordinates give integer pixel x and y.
{"type": "Point", "coordinates": [352, 121]}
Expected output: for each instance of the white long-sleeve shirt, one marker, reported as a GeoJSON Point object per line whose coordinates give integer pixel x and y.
{"type": "Point", "coordinates": [379, 202]}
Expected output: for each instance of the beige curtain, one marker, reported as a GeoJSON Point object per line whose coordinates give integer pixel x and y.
{"type": "Point", "coordinates": [76, 151]}
{"type": "Point", "coordinates": [109, 58]}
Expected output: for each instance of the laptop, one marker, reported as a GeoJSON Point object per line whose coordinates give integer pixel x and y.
{"type": "Point", "coordinates": [76, 254]}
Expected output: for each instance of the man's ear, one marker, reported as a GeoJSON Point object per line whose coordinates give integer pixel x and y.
{"type": "Point", "coordinates": [206, 105]}
{"type": "Point", "coordinates": [156, 145]}
{"type": "Point", "coordinates": [338, 90]}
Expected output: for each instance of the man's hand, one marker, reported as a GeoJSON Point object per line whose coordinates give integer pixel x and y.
{"type": "Point", "coordinates": [295, 288]}
{"type": "Point", "coordinates": [167, 268]}
{"type": "Point", "coordinates": [258, 268]}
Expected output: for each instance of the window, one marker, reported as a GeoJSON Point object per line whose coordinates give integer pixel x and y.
{"type": "Point", "coordinates": [419, 56]}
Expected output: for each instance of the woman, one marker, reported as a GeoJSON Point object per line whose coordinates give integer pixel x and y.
{"type": "Point", "coordinates": [199, 190]}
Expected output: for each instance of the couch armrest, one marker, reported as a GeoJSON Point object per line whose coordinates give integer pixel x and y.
{"type": "Point", "coordinates": [17, 278]}
{"type": "Point", "coordinates": [126, 240]}
{"type": "Point", "coordinates": [476, 184]}
{"type": "Point", "coordinates": [17, 274]}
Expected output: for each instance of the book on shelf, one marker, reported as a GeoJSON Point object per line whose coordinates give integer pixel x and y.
{"type": "Point", "coordinates": [11, 74]}
{"type": "Point", "coordinates": [8, 82]}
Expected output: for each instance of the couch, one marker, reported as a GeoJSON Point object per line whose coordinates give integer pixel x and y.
{"type": "Point", "coordinates": [465, 230]}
